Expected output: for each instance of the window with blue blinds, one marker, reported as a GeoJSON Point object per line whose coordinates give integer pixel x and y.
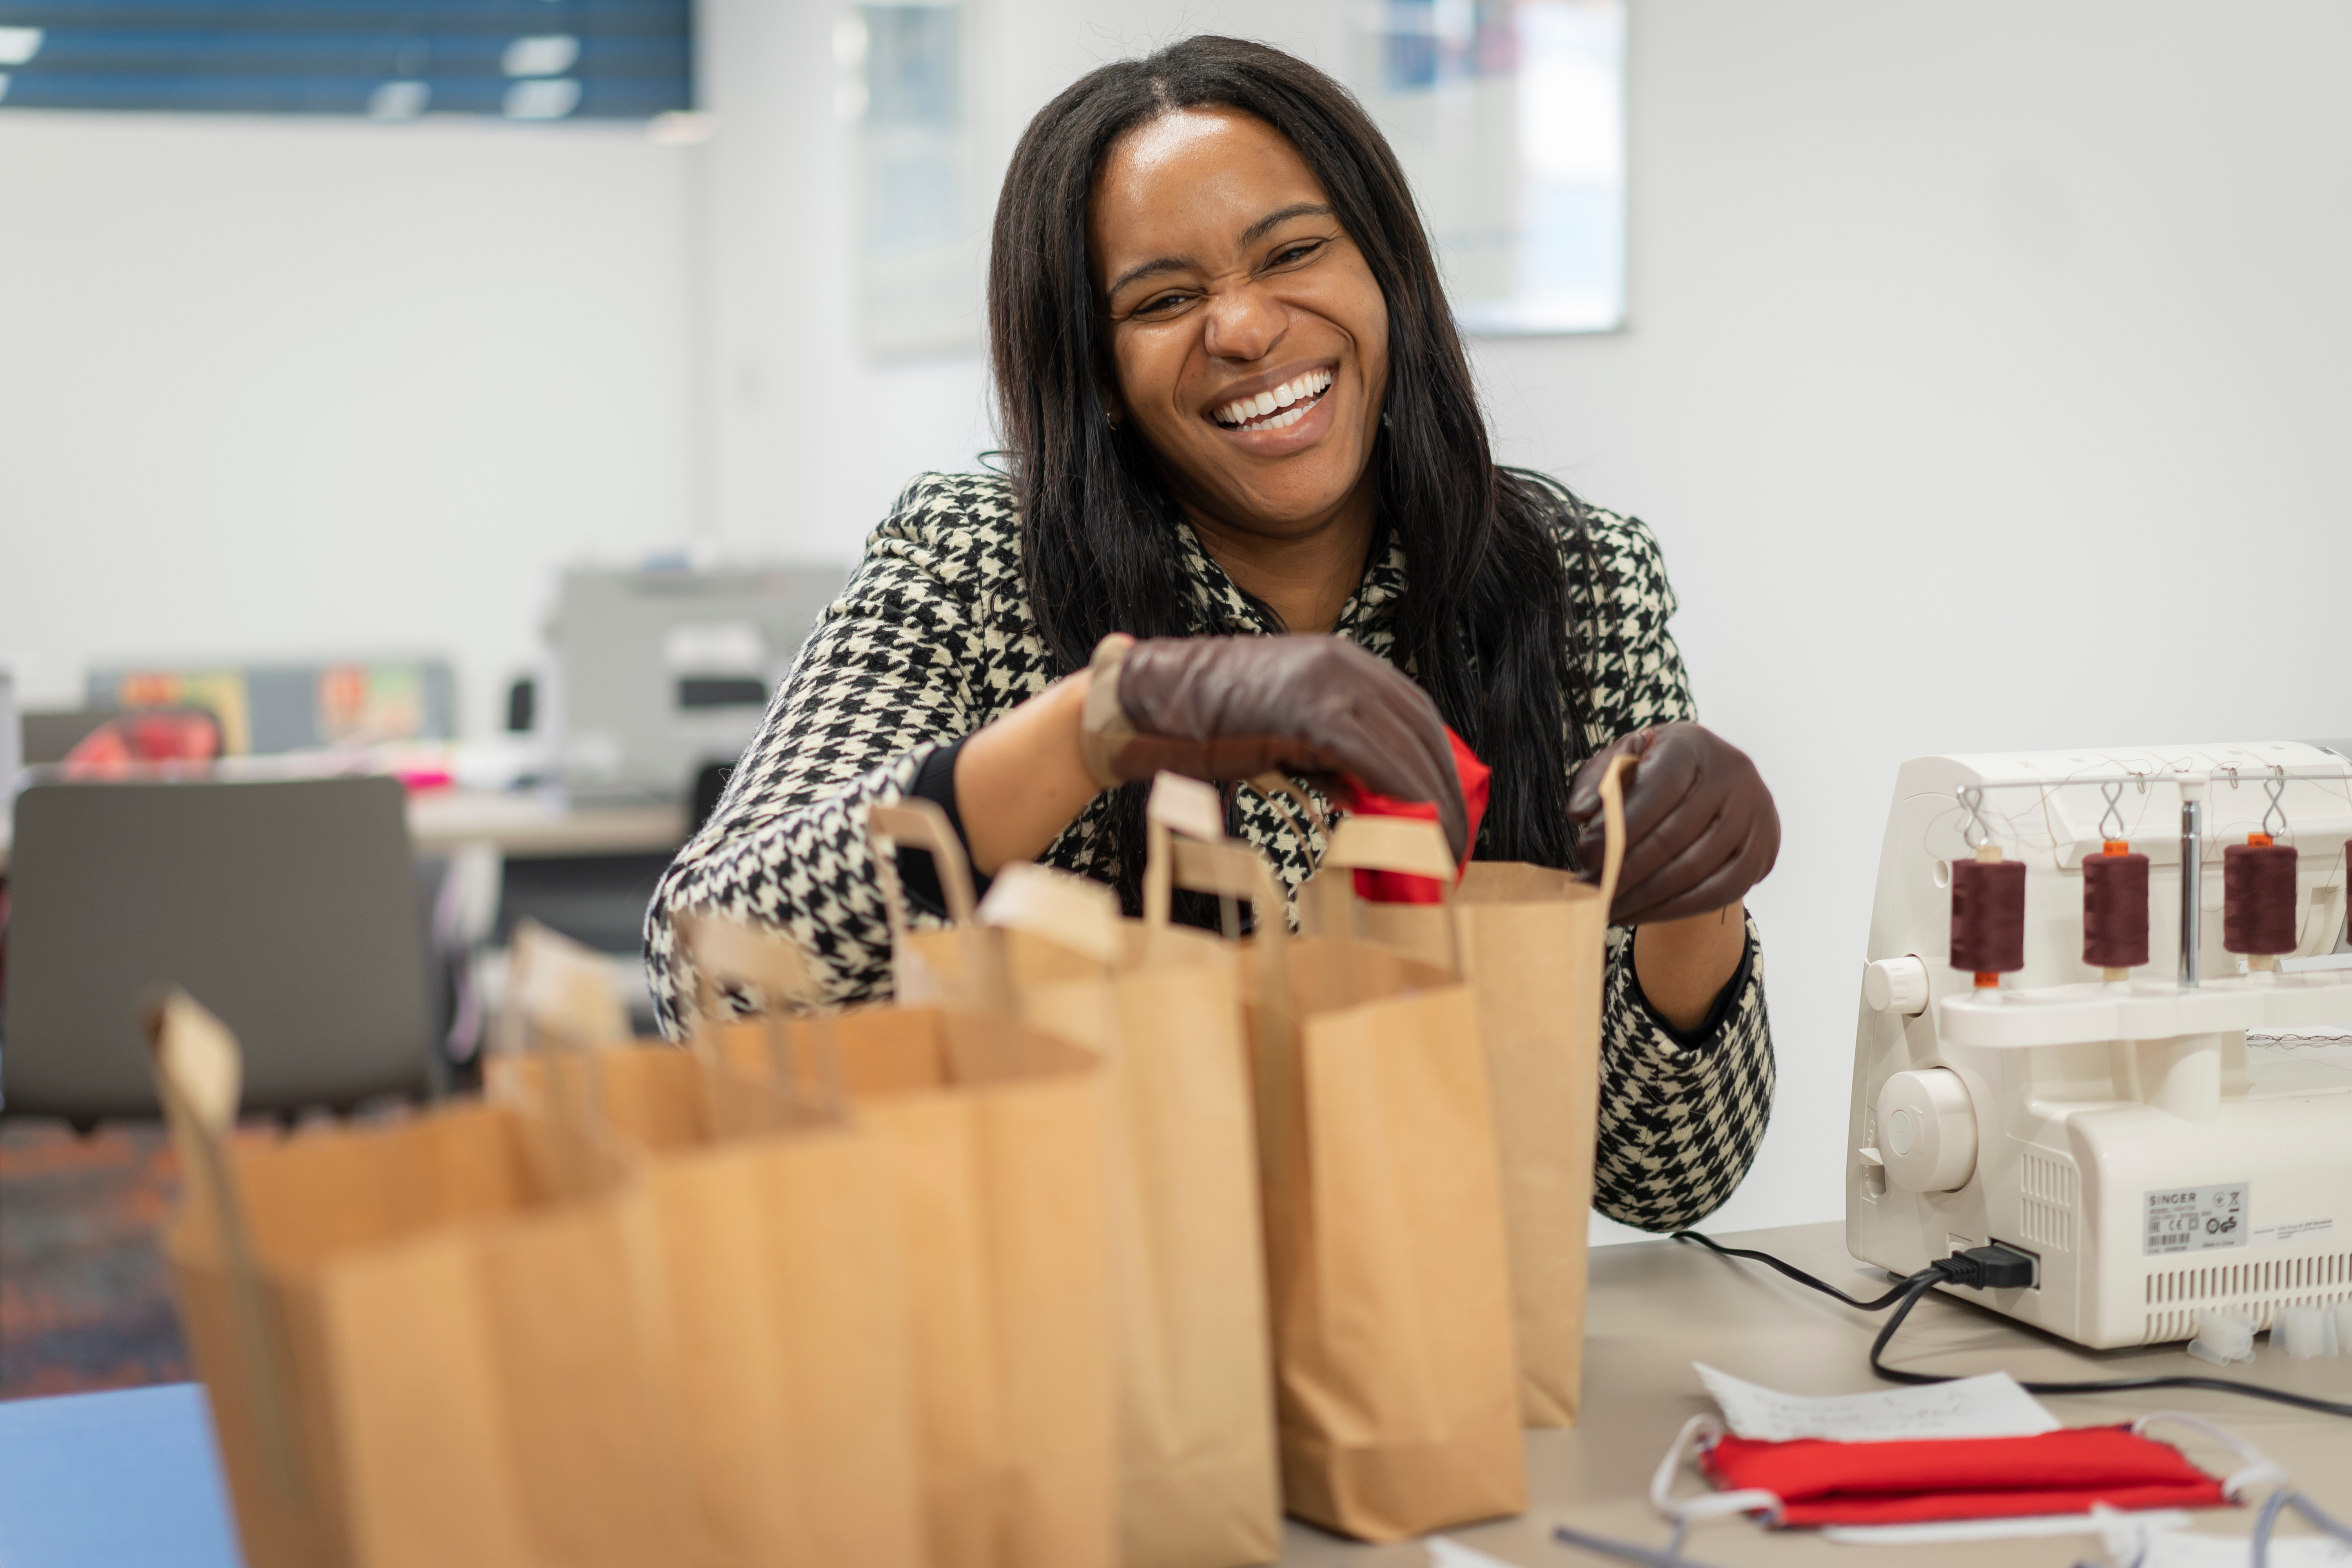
{"type": "Point", "coordinates": [392, 59]}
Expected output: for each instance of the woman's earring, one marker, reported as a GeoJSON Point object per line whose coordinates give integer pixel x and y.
{"type": "Point", "coordinates": [1385, 424]}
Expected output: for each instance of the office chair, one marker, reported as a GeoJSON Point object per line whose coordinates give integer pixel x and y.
{"type": "Point", "coordinates": [287, 907]}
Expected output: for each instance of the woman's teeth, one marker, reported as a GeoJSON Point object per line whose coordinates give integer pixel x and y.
{"type": "Point", "coordinates": [1285, 405]}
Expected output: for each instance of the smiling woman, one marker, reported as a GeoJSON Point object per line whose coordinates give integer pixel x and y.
{"type": "Point", "coordinates": [1249, 345]}
{"type": "Point", "coordinates": [1250, 511]}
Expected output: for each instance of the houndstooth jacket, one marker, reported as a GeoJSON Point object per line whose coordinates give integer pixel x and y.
{"type": "Point", "coordinates": [934, 637]}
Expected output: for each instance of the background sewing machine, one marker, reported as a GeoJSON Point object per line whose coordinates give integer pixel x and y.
{"type": "Point", "coordinates": [652, 674]}
{"type": "Point", "coordinates": [2120, 1132]}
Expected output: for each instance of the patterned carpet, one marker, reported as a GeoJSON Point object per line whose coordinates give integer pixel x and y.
{"type": "Point", "coordinates": [85, 1295]}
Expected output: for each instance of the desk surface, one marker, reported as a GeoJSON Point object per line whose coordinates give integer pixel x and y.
{"type": "Point", "coordinates": [527, 823]}
{"type": "Point", "coordinates": [1657, 1306]}
{"type": "Point", "coordinates": [129, 1478]}
{"type": "Point", "coordinates": [518, 823]}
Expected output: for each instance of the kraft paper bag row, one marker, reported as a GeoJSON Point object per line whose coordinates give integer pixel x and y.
{"type": "Point", "coordinates": [1531, 941]}
{"type": "Point", "coordinates": [1400, 1198]}
{"type": "Point", "coordinates": [1425, 1169]}
{"type": "Point", "coordinates": [778, 1237]}
{"type": "Point", "coordinates": [440, 1342]}
{"type": "Point", "coordinates": [992, 1135]}
{"type": "Point", "coordinates": [782, 1261]}
{"type": "Point", "coordinates": [995, 1134]}
{"type": "Point", "coordinates": [765, 1336]}
{"type": "Point", "coordinates": [1388, 1261]}
{"type": "Point", "coordinates": [1161, 1004]}
{"type": "Point", "coordinates": [992, 1139]}
{"type": "Point", "coordinates": [1059, 1274]}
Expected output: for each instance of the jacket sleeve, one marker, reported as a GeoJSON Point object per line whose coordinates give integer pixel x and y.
{"type": "Point", "coordinates": [879, 688]}
{"type": "Point", "coordinates": [1682, 1114]}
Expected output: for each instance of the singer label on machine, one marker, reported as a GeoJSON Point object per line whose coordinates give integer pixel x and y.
{"type": "Point", "coordinates": [2196, 1219]}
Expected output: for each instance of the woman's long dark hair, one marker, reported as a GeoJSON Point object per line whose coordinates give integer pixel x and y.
{"type": "Point", "coordinates": [1483, 623]}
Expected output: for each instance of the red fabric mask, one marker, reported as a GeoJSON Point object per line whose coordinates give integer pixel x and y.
{"type": "Point", "coordinates": [1400, 887]}
{"type": "Point", "coordinates": [1821, 1482]}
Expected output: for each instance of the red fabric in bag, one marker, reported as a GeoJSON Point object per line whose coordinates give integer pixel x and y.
{"type": "Point", "coordinates": [1821, 1482]}
{"type": "Point", "coordinates": [1399, 887]}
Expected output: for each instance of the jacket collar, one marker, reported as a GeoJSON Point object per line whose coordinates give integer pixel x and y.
{"type": "Point", "coordinates": [1222, 609]}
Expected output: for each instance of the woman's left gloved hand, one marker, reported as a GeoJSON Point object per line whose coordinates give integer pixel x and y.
{"type": "Point", "coordinates": [1700, 826]}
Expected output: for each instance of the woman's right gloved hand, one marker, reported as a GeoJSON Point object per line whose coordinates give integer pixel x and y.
{"type": "Point", "coordinates": [1231, 707]}
{"type": "Point", "coordinates": [1700, 826]}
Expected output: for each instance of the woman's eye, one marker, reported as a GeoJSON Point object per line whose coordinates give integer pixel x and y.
{"type": "Point", "coordinates": [1159, 305]}
{"type": "Point", "coordinates": [1299, 252]}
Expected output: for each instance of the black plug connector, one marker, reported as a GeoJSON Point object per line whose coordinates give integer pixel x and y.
{"type": "Point", "coordinates": [1993, 1268]}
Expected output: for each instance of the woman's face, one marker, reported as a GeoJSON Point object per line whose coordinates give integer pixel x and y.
{"type": "Point", "coordinates": [1250, 340]}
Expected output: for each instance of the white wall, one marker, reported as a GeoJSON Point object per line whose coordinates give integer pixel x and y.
{"type": "Point", "coordinates": [1986, 383]}
{"type": "Point", "coordinates": [287, 387]}
{"type": "Point", "coordinates": [811, 438]}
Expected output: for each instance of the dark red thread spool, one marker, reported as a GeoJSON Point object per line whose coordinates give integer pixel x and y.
{"type": "Point", "coordinates": [2114, 908]}
{"type": "Point", "coordinates": [2258, 896]}
{"type": "Point", "coordinates": [1988, 918]}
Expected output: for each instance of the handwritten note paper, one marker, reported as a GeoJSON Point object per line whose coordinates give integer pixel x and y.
{"type": "Point", "coordinates": [1989, 1407]}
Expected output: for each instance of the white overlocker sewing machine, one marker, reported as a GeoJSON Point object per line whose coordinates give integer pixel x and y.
{"type": "Point", "coordinates": [2113, 1124]}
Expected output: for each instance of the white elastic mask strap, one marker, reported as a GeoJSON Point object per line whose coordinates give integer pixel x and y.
{"type": "Point", "coordinates": [1701, 1432]}
{"type": "Point", "coordinates": [2259, 1469]}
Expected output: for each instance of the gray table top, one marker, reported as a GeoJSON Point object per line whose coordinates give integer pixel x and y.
{"type": "Point", "coordinates": [1657, 1306]}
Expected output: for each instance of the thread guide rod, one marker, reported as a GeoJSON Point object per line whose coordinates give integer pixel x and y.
{"type": "Point", "coordinates": [2293, 772]}
{"type": "Point", "coordinates": [2192, 876]}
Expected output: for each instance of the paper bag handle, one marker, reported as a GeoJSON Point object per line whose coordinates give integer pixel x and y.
{"type": "Point", "coordinates": [1401, 844]}
{"type": "Point", "coordinates": [1177, 804]}
{"type": "Point", "coordinates": [1277, 787]}
{"type": "Point", "coordinates": [1612, 825]}
{"type": "Point", "coordinates": [198, 1072]}
{"type": "Point", "coordinates": [1184, 821]}
{"type": "Point", "coordinates": [918, 823]}
{"type": "Point", "coordinates": [555, 988]}
{"type": "Point", "coordinates": [1077, 912]}
{"type": "Point", "coordinates": [726, 951]}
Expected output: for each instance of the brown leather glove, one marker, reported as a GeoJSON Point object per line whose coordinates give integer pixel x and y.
{"type": "Point", "coordinates": [1700, 826]}
{"type": "Point", "coordinates": [1230, 708]}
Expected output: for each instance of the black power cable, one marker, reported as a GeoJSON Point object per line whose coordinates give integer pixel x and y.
{"type": "Point", "coordinates": [1801, 1278]}
{"type": "Point", "coordinates": [1996, 1268]}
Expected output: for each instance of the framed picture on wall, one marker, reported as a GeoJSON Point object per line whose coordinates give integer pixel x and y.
{"type": "Point", "coordinates": [1509, 116]}
{"type": "Point", "coordinates": [903, 84]}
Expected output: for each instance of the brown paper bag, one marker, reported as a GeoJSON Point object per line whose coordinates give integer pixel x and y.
{"type": "Point", "coordinates": [441, 1342]}
{"type": "Point", "coordinates": [1388, 1259]}
{"type": "Point", "coordinates": [779, 1244]}
{"type": "Point", "coordinates": [995, 1132]}
{"type": "Point", "coordinates": [1531, 941]}
{"type": "Point", "coordinates": [1198, 1478]}
{"type": "Point", "coordinates": [556, 990]}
